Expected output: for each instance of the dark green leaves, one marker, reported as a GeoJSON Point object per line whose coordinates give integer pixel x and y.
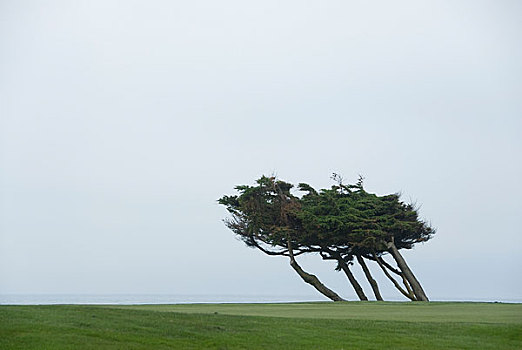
{"type": "Point", "coordinates": [345, 218]}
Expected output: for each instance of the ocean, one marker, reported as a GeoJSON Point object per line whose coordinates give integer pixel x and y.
{"type": "Point", "coordinates": [134, 299]}
{"type": "Point", "coordinates": [130, 299]}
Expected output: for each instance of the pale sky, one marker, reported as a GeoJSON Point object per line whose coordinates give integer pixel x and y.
{"type": "Point", "coordinates": [122, 123]}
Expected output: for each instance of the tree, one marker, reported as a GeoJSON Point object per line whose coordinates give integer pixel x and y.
{"type": "Point", "coordinates": [360, 224]}
{"type": "Point", "coordinates": [263, 217]}
{"type": "Point", "coordinates": [344, 223]}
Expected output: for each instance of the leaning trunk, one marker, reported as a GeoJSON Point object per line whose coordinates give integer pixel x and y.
{"type": "Point", "coordinates": [356, 286]}
{"type": "Point", "coordinates": [407, 273]}
{"type": "Point", "coordinates": [370, 279]}
{"type": "Point", "coordinates": [314, 281]}
{"type": "Point", "coordinates": [380, 261]}
{"type": "Point", "coordinates": [311, 279]}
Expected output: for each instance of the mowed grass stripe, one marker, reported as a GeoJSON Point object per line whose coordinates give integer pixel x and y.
{"type": "Point", "coordinates": [101, 327]}
{"type": "Point", "coordinates": [378, 311]}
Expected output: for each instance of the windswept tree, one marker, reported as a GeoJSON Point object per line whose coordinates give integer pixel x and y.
{"type": "Point", "coordinates": [357, 224]}
{"type": "Point", "coordinates": [344, 223]}
{"type": "Point", "coordinates": [264, 217]}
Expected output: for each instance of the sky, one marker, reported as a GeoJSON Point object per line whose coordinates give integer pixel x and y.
{"type": "Point", "coordinates": [122, 123]}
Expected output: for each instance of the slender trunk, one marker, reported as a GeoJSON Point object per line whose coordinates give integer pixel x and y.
{"type": "Point", "coordinates": [312, 279]}
{"type": "Point", "coordinates": [388, 266]}
{"type": "Point", "coordinates": [370, 279]}
{"type": "Point", "coordinates": [394, 270]}
{"type": "Point", "coordinates": [395, 283]}
{"type": "Point", "coordinates": [398, 273]}
{"type": "Point", "coordinates": [407, 285]}
{"type": "Point", "coordinates": [356, 286]}
{"type": "Point", "coordinates": [407, 273]}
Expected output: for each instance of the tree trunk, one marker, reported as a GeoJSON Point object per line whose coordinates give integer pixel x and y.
{"type": "Point", "coordinates": [388, 266]}
{"type": "Point", "coordinates": [356, 286]}
{"type": "Point", "coordinates": [370, 279]}
{"type": "Point", "coordinates": [314, 281]}
{"type": "Point", "coordinates": [408, 274]}
{"type": "Point", "coordinates": [395, 283]}
{"type": "Point", "coordinates": [311, 279]}
{"type": "Point", "coordinates": [407, 285]}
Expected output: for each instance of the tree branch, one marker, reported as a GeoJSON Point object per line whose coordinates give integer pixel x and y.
{"type": "Point", "coordinates": [395, 283]}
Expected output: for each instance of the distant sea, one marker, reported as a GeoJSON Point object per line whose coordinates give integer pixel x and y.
{"type": "Point", "coordinates": [133, 299]}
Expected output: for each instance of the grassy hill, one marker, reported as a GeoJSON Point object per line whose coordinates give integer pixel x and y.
{"type": "Point", "coordinates": [350, 325]}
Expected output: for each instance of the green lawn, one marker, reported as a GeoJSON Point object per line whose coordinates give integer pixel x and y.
{"type": "Point", "coordinates": [350, 325]}
{"type": "Point", "coordinates": [376, 311]}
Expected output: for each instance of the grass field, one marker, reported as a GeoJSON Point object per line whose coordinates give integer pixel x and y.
{"type": "Point", "coordinates": [350, 325]}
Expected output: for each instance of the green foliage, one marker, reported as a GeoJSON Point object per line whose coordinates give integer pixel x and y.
{"type": "Point", "coordinates": [354, 220]}
{"type": "Point", "coordinates": [344, 219]}
{"type": "Point", "coordinates": [263, 216]}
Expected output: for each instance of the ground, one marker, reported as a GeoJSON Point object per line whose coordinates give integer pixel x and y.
{"type": "Point", "coordinates": [346, 325]}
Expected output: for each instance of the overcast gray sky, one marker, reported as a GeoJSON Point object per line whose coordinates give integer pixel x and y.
{"type": "Point", "coordinates": [122, 122]}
